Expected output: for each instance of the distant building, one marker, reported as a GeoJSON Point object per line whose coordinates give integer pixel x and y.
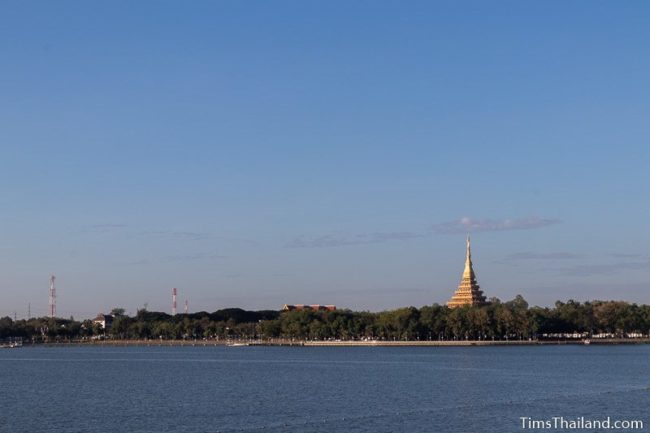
{"type": "Point", "coordinates": [468, 291]}
{"type": "Point", "coordinates": [104, 320]}
{"type": "Point", "coordinates": [313, 307]}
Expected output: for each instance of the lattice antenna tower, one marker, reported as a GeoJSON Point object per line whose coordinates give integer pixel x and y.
{"type": "Point", "coordinates": [174, 292]}
{"type": "Point", "coordinates": [185, 308]}
{"type": "Point", "coordinates": [52, 304]}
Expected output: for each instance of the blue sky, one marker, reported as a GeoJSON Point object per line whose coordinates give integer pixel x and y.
{"type": "Point", "coordinates": [260, 153]}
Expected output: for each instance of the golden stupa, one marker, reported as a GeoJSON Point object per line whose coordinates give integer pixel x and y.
{"type": "Point", "coordinates": [468, 291]}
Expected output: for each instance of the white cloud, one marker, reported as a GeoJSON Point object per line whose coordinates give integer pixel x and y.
{"type": "Point", "coordinates": [467, 224]}
{"type": "Point", "coordinates": [527, 255]}
{"type": "Point", "coordinates": [339, 240]}
{"type": "Point", "coordinates": [603, 269]}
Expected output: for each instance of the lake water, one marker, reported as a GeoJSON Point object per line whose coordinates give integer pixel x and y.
{"type": "Point", "coordinates": [298, 389]}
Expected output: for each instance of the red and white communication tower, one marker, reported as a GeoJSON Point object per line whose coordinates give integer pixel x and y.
{"type": "Point", "coordinates": [52, 296]}
{"type": "Point", "coordinates": [174, 301]}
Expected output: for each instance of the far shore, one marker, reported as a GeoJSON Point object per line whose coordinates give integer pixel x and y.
{"type": "Point", "coordinates": [343, 343]}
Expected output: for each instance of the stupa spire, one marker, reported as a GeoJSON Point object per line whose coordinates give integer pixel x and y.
{"type": "Point", "coordinates": [469, 271]}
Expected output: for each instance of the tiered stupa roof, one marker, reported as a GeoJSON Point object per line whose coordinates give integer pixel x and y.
{"type": "Point", "coordinates": [468, 292]}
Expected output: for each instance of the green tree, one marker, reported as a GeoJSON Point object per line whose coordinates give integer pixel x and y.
{"type": "Point", "coordinates": [118, 311]}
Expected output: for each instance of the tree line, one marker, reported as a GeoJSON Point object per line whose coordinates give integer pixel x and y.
{"type": "Point", "coordinates": [495, 321]}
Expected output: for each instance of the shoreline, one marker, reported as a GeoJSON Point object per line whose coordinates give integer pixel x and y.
{"type": "Point", "coordinates": [351, 343]}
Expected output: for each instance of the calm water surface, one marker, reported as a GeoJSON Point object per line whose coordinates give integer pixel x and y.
{"type": "Point", "coordinates": [294, 389]}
